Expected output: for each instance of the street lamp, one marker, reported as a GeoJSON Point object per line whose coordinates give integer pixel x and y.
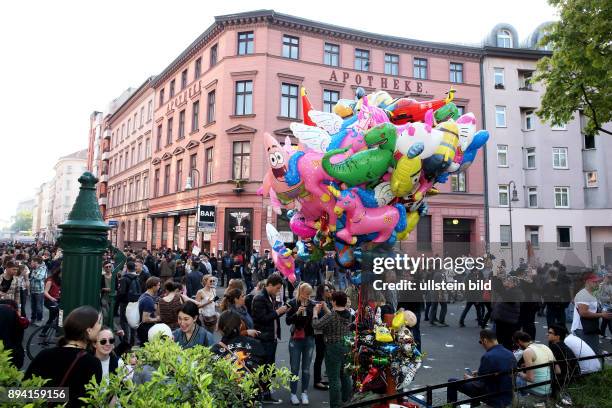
{"type": "Point", "coordinates": [188, 186]}
{"type": "Point", "coordinates": [515, 199]}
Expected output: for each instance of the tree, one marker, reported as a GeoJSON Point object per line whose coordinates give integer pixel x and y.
{"type": "Point", "coordinates": [578, 75]}
{"type": "Point", "coordinates": [23, 221]}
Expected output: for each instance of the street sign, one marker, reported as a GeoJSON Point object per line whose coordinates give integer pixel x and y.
{"type": "Point", "coordinates": [207, 218]}
{"type": "Point", "coordinates": [113, 223]}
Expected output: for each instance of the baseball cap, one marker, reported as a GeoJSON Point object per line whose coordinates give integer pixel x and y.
{"type": "Point", "coordinates": [592, 277]}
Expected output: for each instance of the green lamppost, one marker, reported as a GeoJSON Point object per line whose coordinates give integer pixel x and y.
{"type": "Point", "coordinates": [83, 240]}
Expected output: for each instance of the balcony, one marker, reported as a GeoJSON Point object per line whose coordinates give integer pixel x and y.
{"type": "Point", "coordinates": [105, 155]}
{"type": "Point", "coordinates": [107, 133]}
{"type": "Point", "coordinates": [102, 201]}
{"type": "Point", "coordinates": [128, 208]}
{"type": "Point", "coordinates": [103, 178]}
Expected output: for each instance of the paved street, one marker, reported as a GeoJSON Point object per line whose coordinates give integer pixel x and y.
{"type": "Point", "coordinates": [448, 350]}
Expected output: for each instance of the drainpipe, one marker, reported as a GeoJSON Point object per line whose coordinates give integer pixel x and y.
{"type": "Point", "coordinates": [484, 152]}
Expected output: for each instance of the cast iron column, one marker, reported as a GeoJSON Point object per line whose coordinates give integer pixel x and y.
{"type": "Point", "coordinates": [83, 240]}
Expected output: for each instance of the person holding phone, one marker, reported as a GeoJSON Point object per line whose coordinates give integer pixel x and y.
{"type": "Point", "coordinates": [207, 297]}
{"type": "Point", "coordinates": [302, 342]}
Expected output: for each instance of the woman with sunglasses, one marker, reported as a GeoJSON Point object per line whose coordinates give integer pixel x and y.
{"type": "Point", "coordinates": [105, 346]}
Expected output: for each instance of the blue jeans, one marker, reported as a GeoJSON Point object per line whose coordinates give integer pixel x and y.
{"type": "Point", "coordinates": [300, 351]}
{"type": "Point", "coordinates": [36, 304]}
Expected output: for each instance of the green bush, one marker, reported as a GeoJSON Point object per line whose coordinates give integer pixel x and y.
{"type": "Point", "coordinates": [11, 377]}
{"type": "Point", "coordinates": [184, 378]}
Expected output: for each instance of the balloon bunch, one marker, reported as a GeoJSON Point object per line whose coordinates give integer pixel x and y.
{"type": "Point", "coordinates": [362, 172]}
{"type": "Point", "coordinates": [381, 353]}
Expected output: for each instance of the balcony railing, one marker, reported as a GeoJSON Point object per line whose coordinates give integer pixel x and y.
{"type": "Point", "coordinates": [128, 208]}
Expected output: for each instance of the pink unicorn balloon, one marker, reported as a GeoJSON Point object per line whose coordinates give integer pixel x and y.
{"type": "Point", "coordinates": [361, 220]}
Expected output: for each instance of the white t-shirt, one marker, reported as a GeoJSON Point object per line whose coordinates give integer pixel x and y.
{"type": "Point", "coordinates": [583, 298]}
{"type": "Point", "coordinates": [106, 364]}
{"type": "Point", "coordinates": [209, 309]}
{"type": "Point", "coordinates": [581, 349]}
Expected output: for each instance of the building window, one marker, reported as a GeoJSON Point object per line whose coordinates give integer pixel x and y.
{"type": "Point", "coordinates": [156, 183]}
{"type": "Point", "coordinates": [134, 127]}
{"type": "Point", "coordinates": [391, 64]}
{"type": "Point", "coordinates": [500, 116]}
{"type": "Point", "coordinates": [424, 233]}
{"type": "Point", "coordinates": [362, 60]}
{"type": "Point", "coordinates": [153, 232]}
{"type": "Point", "coordinates": [560, 158]}
{"type": "Point", "coordinates": [559, 127]}
{"type": "Point", "coordinates": [331, 54]}
{"type": "Point", "coordinates": [419, 69]}
{"type": "Point", "coordinates": [244, 97]}
{"type": "Point", "coordinates": [169, 132]}
{"type": "Point", "coordinates": [118, 201]}
{"type": "Point", "coordinates": [184, 79]}
{"type": "Point", "coordinates": [122, 131]}
{"type": "Point", "coordinates": [167, 179]}
{"type": "Point", "coordinates": [198, 68]}
{"type": "Point", "coordinates": [210, 114]}
{"type": "Point", "coordinates": [137, 189]}
{"type": "Point", "coordinates": [502, 192]}
{"type": "Point", "coordinates": [456, 72]}
{"type": "Point", "coordinates": [504, 236]}
{"type": "Point", "coordinates": [329, 100]}
{"type": "Point", "coordinates": [241, 160]}
{"type": "Point", "coordinates": [172, 88]}
{"type": "Point", "coordinates": [589, 142]}
{"type": "Point", "coordinates": [213, 55]}
{"type": "Point", "coordinates": [145, 187]}
{"type": "Point", "coordinates": [525, 80]}
{"type": "Point", "coordinates": [179, 176]}
{"type": "Point", "coordinates": [289, 100]}
{"type": "Point", "coordinates": [149, 110]}
{"type": "Point", "coordinates": [181, 129]}
{"type": "Point", "coordinates": [564, 237]}
{"type": "Point", "coordinates": [532, 197]}
{"type": "Point", "coordinates": [458, 184]}
{"type": "Point", "coordinates": [209, 165]}
{"type": "Point", "coordinates": [561, 197]}
{"type": "Point", "coordinates": [164, 232]}
{"type": "Point", "coordinates": [498, 78]}
{"type": "Point", "coordinates": [193, 162]}
{"type": "Point", "coordinates": [533, 235]}
{"type": "Point", "coordinates": [195, 114]}
{"type": "Point", "coordinates": [528, 119]}
{"type": "Point", "coordinates": [591, 178]}
{"type": "Point", "coordinates": [291, 46]}
{"type": "Point", "coordinates": [161, 96]}
{"type": "Point", "coordinates": [460, 110]}
{"type": "Point", "coordinates": [245, 42]}
{"type": "Point", "coordinates": [141, 116]}
{"type": "Point", "coordinates": [129, 126]}
{"type": "Point", "coordinates": [158, 145]}
{"type": "Point", "coordinates": [502, 155]}
{"type": "Point", "coordinates": [530, 158]}
{"type": "Point", "coordinates": [133, 156]}
{"type": "Point", "coordinates": [504, 39]}
{"type": "Point", "coordinates": [143, 225]}
{"type": "Point", "coordinates": [147, 148]}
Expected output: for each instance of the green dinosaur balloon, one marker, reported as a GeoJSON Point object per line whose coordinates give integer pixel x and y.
{"type": "Point", "coordinates": [367, 165]}
{"type": "Point", "coordinates": [447, 111]}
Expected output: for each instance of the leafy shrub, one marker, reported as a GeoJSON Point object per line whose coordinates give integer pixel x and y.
{"type": "Point", "coordinates": [11, 377]}
{"type": "Point", "coordinates": [184, 378]}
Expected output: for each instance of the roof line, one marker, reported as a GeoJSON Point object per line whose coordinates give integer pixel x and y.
{"type": "Point", "coordinates": [137, 93]}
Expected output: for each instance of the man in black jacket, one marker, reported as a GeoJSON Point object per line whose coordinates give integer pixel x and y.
{"type": "Point", "coordinates": [266, 316]}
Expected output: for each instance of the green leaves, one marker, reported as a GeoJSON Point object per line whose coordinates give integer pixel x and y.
{"type": "Point", "coordinates": [10, 377]}
{"type": "Point", "coordinates": [578, 76]}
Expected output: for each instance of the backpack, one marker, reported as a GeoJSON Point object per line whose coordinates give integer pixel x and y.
{"type": "Point", "coordinates": [132, 292]}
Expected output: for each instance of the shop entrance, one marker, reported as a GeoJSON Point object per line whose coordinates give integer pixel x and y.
{"type": "Point", "coordinates": [457, 236]}
{"type": "Point", "coordinates": [238, 230]}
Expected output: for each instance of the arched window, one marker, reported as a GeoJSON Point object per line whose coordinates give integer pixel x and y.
{"type": "Point", "coordinates": [504, 39]}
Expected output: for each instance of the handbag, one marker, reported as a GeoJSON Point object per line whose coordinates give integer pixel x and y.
{"type": "Point", "coordinates": [298, 333]}
{"type": "Point", "coordinates": [209, 321]}
{"type": "Point", "coordinates": [590, 325]}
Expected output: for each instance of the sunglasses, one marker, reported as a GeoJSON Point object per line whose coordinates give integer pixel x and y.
{"type": "Point", "coordinates": [103, 341]}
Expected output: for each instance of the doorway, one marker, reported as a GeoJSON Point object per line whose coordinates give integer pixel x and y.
{"type": "Point", "coordinates": [457, 234]}
{"type": "Point", "coordinates": [238, 232]}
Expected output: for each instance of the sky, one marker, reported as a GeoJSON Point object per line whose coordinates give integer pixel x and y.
{"type": "Point", "coordinates": [61, 60]}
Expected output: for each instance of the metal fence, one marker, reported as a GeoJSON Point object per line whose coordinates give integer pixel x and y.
{"type": "Point", "coordinates": [429, 389]}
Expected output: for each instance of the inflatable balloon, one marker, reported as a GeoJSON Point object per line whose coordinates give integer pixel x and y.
{"type": "Point", "coordinates": [281, 255]}
{"type": "Point", "coordinates": [300, 226]}
{"type": "Point", "coordinates": [278, 158]}
{"type": "Point", "coordinates": [361, 220]}
{"type": "Point", "coordinates": [407, 110]}
{"type": "Point", "coordinates": [405, 177]}
{"type": "Point", "coordinates": [444, 154]}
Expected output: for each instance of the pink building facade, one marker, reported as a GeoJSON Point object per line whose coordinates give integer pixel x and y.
{"type": "Point", "coordinates": [241, 78]}
{"type": "Point", "coordinates": [125, 165]}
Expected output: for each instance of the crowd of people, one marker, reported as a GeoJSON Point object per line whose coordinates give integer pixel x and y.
{"type": "Point", "coordinates": [236, 301]}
